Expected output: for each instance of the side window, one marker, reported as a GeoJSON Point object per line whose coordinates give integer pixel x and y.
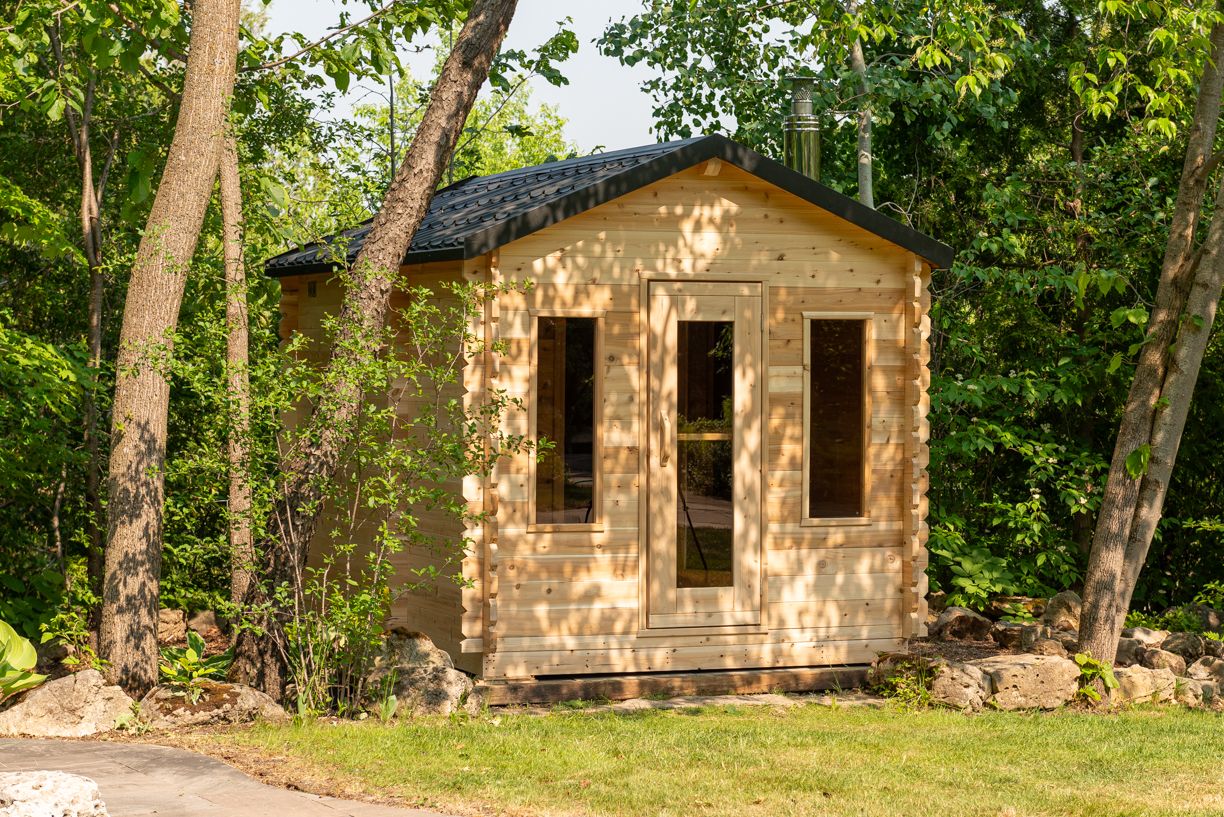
{"type": "Point", "coordinates": [566, 419]}
{"type": "Point", "coordinates": [836, 366]}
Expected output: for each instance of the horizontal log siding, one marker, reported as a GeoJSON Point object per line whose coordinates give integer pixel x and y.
{"type": "Point", "coordinates": [569, 602]}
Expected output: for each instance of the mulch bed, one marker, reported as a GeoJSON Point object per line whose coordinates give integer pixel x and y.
{"type": "Point", "coordinates": [956, 650]}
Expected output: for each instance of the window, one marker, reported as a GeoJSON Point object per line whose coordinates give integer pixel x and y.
{"type": "Point", "coordinates": [566, 416]}
{"type": "Point", "coordinates": [836, 433]}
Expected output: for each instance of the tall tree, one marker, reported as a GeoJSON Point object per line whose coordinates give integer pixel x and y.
{"type": "Point", "coordinates": [237, 364]}
{"type": "Point", "coordinates": [128, 632]}
{"type": "Point", "coordinates": [1159, 399]}
{"type": "Point", "coordinates": [368, 286]}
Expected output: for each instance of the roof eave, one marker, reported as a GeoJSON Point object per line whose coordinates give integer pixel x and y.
{"type": "Point", "coordinates": [417, 257]}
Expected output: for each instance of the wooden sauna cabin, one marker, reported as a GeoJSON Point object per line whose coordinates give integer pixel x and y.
{"type": "Point", "coordinates": [731, 362]}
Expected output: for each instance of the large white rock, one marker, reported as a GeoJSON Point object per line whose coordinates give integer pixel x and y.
{"type": "Point", "coordinates": [49, 794]}
{"type": "Point", "coordinates": [421, 677]}
{"type": "Point", "coordinates": [960, 686]}
{"type": "Point", "coordinates": [70, 707]}
{"type": "Point", "coordinates": [1146, 636]}
{"type": "Point", "coordinates": [1030, 681]}
{"type": "Point", "coordinates": [1062, 612]}
{"type": "Point", "coordinates": [1137, 685]}
{"type": "Point", "coordinates": [1207, 669]}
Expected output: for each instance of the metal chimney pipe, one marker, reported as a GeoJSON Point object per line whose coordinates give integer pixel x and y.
{"type": "Point", "coordinates": [801, 130]}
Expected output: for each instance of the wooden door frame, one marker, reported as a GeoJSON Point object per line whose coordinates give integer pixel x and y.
{"type": "Point", "coordinates": [753, 620]}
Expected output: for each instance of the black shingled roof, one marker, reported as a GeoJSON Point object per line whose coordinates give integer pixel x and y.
{"type": "Point", "coordinates": [479, 214]}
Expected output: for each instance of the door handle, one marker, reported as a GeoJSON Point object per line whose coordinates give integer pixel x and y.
{"type": "Point", "coordinates": [664, 439]}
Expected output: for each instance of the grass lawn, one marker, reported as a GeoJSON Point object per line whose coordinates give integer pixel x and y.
{"type": "Point", "coordinates": [748, 761]}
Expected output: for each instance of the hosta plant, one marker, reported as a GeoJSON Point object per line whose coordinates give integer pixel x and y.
{"type": "Point", "coordinates": [17, 660]}
{"type": "Point", "coordinates": [186, 667]}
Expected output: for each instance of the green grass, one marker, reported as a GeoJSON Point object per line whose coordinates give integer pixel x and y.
{"type": "Point", "coordinates": [759, 761]}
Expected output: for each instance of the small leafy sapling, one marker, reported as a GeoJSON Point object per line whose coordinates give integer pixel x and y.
{"type": "Point", "coordinates": [186, 667]}
{"type": "Point", "coordinates": [1094, 674]}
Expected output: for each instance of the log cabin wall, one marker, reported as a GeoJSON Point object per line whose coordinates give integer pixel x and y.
{"type": "Point", "coordinates": [572, 602]}
{"type": "Point", "coordinates": [437, 607]}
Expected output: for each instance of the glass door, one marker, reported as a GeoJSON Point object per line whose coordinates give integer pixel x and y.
{"type": "Point", "coordinates": [705, 373]}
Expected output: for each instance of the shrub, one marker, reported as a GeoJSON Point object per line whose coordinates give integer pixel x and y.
{"type": "Point", "coordinates": [185, 667]}
{"type": "Point", "coordinates": [17, 661]}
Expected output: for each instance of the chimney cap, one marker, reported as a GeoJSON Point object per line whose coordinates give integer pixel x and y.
{"type": "Point", "coordinates": [802, 88]}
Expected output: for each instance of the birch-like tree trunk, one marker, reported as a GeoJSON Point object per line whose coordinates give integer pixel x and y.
{"type": "Point", "coordinates": [1131, 505]}
{"type": "Point", "coordinates": [260, 656]}
{"type": "Point", "coordinates": [237, 364]}
{"type": "Point", "coordinates": [136, 482]}
{"type": "Point", "coordinates": [858, 64]}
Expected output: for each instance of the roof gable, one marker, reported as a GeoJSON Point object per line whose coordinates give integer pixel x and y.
{"type": "Point", "coordinates": [480, 214]}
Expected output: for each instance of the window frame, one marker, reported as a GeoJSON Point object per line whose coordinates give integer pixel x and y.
{"type": "Point", "coordinates": [868, 321]}
{"type": "Point", "coordinates": [597, 412]}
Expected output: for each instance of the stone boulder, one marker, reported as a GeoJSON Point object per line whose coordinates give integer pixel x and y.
{"type": "Point", "coordinates": [170, 707]}
{"type": "Point", "coordinates": [1144, 685]}
{"type": "Point", "coordinates": [204, 623]}
{"type": "Point", "coordinates": [1063, 611]}
{"type": "Point", "coordinates": [1163, 659]}
{"type": "Point", "coordinates": [70, 707]}
{"type": "Point", "coordinates": [1189, 693]}
{"type": "Point", "coordinates": [1048, 646]}
{"type": "Point", "coordinates": [1007, 635]}
{"type": "Point", "coordinates": [1030, 681]}
{"type": "Point", "coordinates": [49, 794]}
{"type": "Point", "coordinates": [1213, 648]}
{"type": "Point", "coordinates": [1146, 636]}
{"type": "Point", "coordinates": [1130, 652]}
{"type": "Point", "coordinates": [171, 626]}
{"type": "Point", "coordinates": [1207, 669]}
{"type": "Point", "coordinates": [1190, 646]}
{"type": "Point", "coordinates": [960, 686]}
{"type": "Point", "coordinates": [1068, 638]}
{"type": "Point", "coordinates": [961, 624]}
{"type": "Point", "coordinates": [421, 677]}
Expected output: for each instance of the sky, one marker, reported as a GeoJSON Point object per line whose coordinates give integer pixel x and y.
{"type": "Point", "coordinates": [603, 103]}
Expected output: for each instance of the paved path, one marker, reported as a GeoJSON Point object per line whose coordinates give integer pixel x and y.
{"type": "Point", "coordinates": [138, 780]}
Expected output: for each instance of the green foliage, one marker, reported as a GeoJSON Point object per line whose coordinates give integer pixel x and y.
{"type": "Point", "coordinates": [17, 661]}
{"type": "Point", "coordinates": [185, 667]}
{"type": "Point", "coordinates": [1175, 619]}
{"type": "Point", "coordinates": [69, 622]}
{"type": "Point", "coordinates": [1211, 595]}
{"type": "Point", "coordinates": [908, 681]}
{"type": "Point", "coordinates": [1094, 673]}
{"type": "Point", "coordinates": [975, 575]}
{"type": "Point", "coordinates": [407, 451]}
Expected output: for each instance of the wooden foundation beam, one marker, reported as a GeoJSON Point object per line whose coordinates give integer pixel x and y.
{"type": "Point", "coordinates": [623, 687]}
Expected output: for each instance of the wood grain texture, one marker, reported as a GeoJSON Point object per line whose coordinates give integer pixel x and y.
{"type": "Point", "coordinates": [574, 602]}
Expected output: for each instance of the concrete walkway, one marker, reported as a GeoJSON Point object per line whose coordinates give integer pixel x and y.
{"type": "Point", "coordinates": [138, 780]}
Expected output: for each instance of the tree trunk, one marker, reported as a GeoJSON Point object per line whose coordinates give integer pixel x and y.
{"type": "Point", "coordinates": [1108, 583]}
{"type": "Point", "coordinates": [363, 316]}
{"type": "Point", "coordinates": [89, 213]}
{"type": "Point", "coordinates": [136, 482]}
{"type": "Point", "coordinates": [858, 64]}
{"type": "Point", "coordinates": [1176, 392]}
{"type": "Point", "coordinates": [237, 362]}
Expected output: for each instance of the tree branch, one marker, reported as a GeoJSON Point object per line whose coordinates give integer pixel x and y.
{"type": "Point", "coordinates": [324, 39]}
